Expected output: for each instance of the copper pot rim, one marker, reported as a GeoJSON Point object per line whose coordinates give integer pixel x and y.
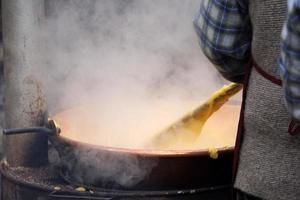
{"type": "Point", "coordinates": [145, 152]}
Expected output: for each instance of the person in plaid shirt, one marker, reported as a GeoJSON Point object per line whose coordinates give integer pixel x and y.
{"type": "Point", "coordinates": [242, 38]}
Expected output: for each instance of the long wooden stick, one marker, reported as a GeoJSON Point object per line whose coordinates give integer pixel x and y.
{"type": "Point", "coordinates": [195, 120]}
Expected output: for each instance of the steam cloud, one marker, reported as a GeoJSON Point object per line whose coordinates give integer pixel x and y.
{"type": "Point", "coordinates": [147, 48]}
{"type": "Point", "coordinates": [110, 170]}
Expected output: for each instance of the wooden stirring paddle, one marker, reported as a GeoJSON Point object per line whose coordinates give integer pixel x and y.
{"type": "Point", "coordinates": [193, 122]}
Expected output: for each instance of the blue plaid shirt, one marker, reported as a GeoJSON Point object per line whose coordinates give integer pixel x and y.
{"type": "Point", "coordinates": [224, 31]}
{"type": "Point", "coordinates": [290, 59]}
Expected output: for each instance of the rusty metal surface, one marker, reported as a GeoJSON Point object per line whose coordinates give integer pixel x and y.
{"type": "Point", "coordinates": [24, 100]}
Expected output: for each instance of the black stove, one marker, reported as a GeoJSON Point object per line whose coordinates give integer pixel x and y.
{"type": "Point", "coordinates": [45, 183]}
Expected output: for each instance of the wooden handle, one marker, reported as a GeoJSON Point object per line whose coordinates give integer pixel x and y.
{"type": "Point", "coordinates": [195, 120]}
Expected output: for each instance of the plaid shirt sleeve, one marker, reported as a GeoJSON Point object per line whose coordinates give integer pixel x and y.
{"type": "Point", "coordinates": [224, 31]}
{"type": "Point", "coordinates": [289, 62]}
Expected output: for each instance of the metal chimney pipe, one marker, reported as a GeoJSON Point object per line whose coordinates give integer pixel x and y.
{"type": "Point", "coordinates": [24, 104]}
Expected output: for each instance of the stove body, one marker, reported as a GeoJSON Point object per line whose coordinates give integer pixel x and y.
{"type": "Point", "coordinates": [39, 184]}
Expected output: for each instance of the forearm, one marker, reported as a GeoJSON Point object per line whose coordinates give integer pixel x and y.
{"type": "Point", "coordinates": [223, 29]}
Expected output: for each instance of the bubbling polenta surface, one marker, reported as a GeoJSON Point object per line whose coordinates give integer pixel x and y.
{"type": "Point", "coordinates": [133, 125]}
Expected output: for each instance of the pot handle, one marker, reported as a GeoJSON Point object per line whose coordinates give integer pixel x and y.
{"type": "Point", "coordinates": [51, 129]}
